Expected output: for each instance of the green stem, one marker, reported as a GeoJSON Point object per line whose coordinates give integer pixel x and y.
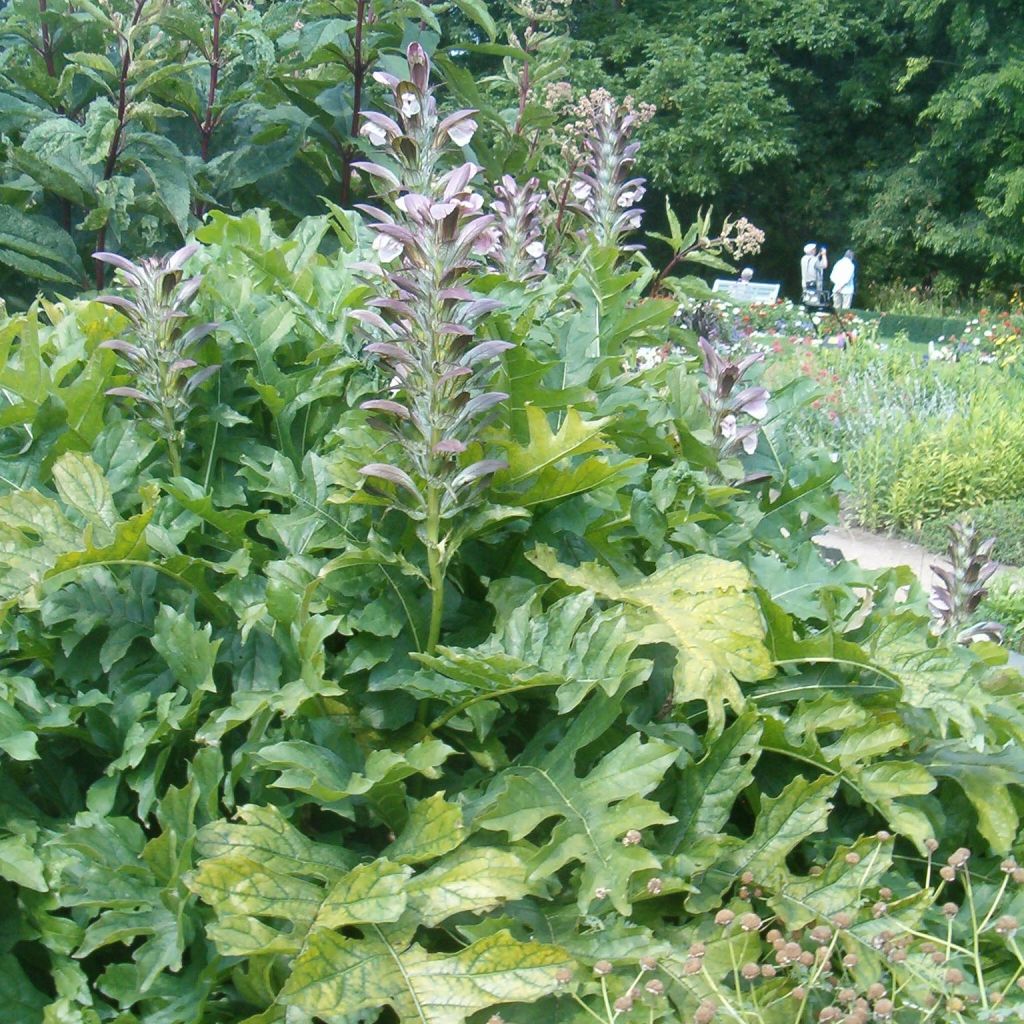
{"type": "Point", "coordinates": [435, 569]}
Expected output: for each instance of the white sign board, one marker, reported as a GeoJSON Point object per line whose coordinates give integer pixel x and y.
{"type": "Point", "coordinates": [747, 291]}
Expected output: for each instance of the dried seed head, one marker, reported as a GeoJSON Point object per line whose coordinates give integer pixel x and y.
{"type": "Point", "coordinates": [829, 1014]}
{"type": "Point", "coordinates": [750, 971]}
{"type": "Point", "coordinates": [850, 960]}
{"type": "Point", "coordinates": [1018, 875]}
{"type": "Point", "coordinates": [691, 966]}
{"type": "Point", "coordinates": [750, 922]}
{"type": "Point", "coordinates": [879, 909]}
{"type": "Point", "coordinates": [806, 958]}
{"type": "Point", "coordinates": [655, 987]}
{"type": "Point", "coordinates": [883, 1009]}
{"type": "Point", "coordinates": [947, 873]}
{"type": "Point", "coordinates": [954, 976]}
{"type": "Point", "coordinates": [743, 893]}
{"type": "Point", "coordinates": [846, 995]}
{"type": "Point", "coordinates": [747, 878]}
{"type": "Point", "coordinates": [772, 934]}
{"type": "Point", "coordinates": [603, 968]}
{"type": "Point", "coordinates": [956, 1004]}
{"type": "Point", "coordinates": [705, 1013]}
{"type": "Point", "coordinates": [648, 963]}
{"type": "Point", "coordinates": [821, 933]}
{"type": "Point", "coordinates": [898, 956]}
{"type": "Point", "coordinates": [563, 975]}
{"type": "Point", "coordinates": [882, 836]}
{"type": "Point", "coordinates": [1008, 865]}
{"type": "Point", "coordinates": [623, 1003]}
{"type": "Point", "coordinates": [958, 858]}
{"type": "Point", "coordinates": [632, 838]}
{"type": "Point", "coordinates": [950, 909]}
{"type": "Point", "coordinates": [654, 886]}
{"type": "Point", "coordinates": [697, 949]}
{"type": "Point", "coordinates": [853, 857]}
{"type": "Point", "coordinates": [724, 917]}
{"type": "Point", "coordinates": [799, 992]}
{"type": "Point", "coordinates": [931, 845]}
{"type": "Point", "coordinates": [768, 971]}
{"type": "Point", "coordinates": [885, 893]}
{"type": "Point", "coordinates": [601, 892]}
{"type": "Point", "coordinates": [842, 919]}
{"type": "Point", "coordinates": [816, 870]}
{"type": "Point", "coordinates": [876, 990]}
{"type": "Point", "coordinates": [938, 958]}
{"type": "Point", "coordinates": [1007, 925]}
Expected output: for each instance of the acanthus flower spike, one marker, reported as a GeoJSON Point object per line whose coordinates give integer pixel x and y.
{"type": "Point", "coordinates": [422, 324]}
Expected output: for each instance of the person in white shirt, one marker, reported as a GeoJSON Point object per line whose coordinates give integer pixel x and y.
{"type": "Point", "coordinates": [812, 270]}
{"type": "Point", "coordinates": [843, 278]}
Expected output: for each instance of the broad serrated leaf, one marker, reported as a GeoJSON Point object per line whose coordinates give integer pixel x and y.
{"type": "Point", "coordinates": [472, 879]}
{"type": "Point", "coordinates": [592, 813]}
{"type": "Point", "coordinates": [703, 606]}
{"type": "Point", "coordinates": [839, 887]}
{"type": "Point", "coordinates": [434, 828]}
{"type": "Point", "coordinates": [338, 975]}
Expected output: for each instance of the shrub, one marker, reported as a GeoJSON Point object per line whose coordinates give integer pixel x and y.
{"type": "Point", "coordinates": [356, 689]}
{"type": "Point", "coordinates": [1002, 519]}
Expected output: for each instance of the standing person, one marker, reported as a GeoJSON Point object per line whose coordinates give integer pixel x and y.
{"type": "Point", "coordinates": [843, 278]}
{"type": "Point", "coordinates": [812, 271]}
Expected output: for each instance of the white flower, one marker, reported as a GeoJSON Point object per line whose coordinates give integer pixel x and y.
{"type": "Point", "coordinates": [580, 190]}
{"type": "Point", "coordinates": [535, 249]}
{"type": "Point", "coordinates": [374, 133]}
{"type": "Point", "coordinates": [462, 133]}
{"type": "Point", "coordinates": [387, 248]}
{"type": "Point", "coordinates": [410, 105]}
{"type": "Point", "coordinates": [486, 242]}
{"type": "Point", "coordinates": [728, 427]}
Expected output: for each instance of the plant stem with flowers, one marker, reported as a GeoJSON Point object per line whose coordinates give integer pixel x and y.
{"type": "Point", "coordinates": [423, 322]}
{"type": "Point", "coordinates": [157, 354]}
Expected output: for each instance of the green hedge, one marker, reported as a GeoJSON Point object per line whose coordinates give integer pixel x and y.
{"type": "Point", "coordinates": [918, 329]}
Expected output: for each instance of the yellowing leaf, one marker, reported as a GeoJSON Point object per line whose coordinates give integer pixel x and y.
{"type": "Point", "coordinates": [434, 828]}
{"type": "Point", "coordinates": [471, 879]}
{"type": "Point", "coordinates": [702, 606]}
{"type": "Point", "coordinates": [336, 975]}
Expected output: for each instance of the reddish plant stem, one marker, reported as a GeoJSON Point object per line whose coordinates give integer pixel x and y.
{"type": "Point", "coordinates": [211, 121]}
{"type": "Point", "coordinates": [359, 66]}
{"type": "Point", "coordinates": [115, 143]}
{"type": "Point", "coordinates": [47, 42]}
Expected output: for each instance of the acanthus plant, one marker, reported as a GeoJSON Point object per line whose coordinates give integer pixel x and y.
{"type": "Point", "coordinates": [960, 588]}
{"type": "Point", "coordinates": [520, 251]}
{"type": "Point", "coordinates": [600, 187]}
{"type": "Point", "coordinates": [735, 415]}
{"type": "Point", "coordinates": [157, 350]}
{"type": "Point", "coordinates": [425, 321]}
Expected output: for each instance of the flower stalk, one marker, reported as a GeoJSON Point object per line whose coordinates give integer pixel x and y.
{"type": "Point", "coordinates": [156, 351]}
{"type": "Point", "coordinates": [422, 325]}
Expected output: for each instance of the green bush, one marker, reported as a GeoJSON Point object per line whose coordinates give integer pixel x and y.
{"type": "Point", "coordinates": [1002, 519]}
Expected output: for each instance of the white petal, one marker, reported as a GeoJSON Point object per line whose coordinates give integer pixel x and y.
{"type": "Point", "coordinates": [462, 133]}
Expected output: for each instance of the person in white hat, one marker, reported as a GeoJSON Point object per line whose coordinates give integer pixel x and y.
{"type": "Point", "coordinates": [812, 268]}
